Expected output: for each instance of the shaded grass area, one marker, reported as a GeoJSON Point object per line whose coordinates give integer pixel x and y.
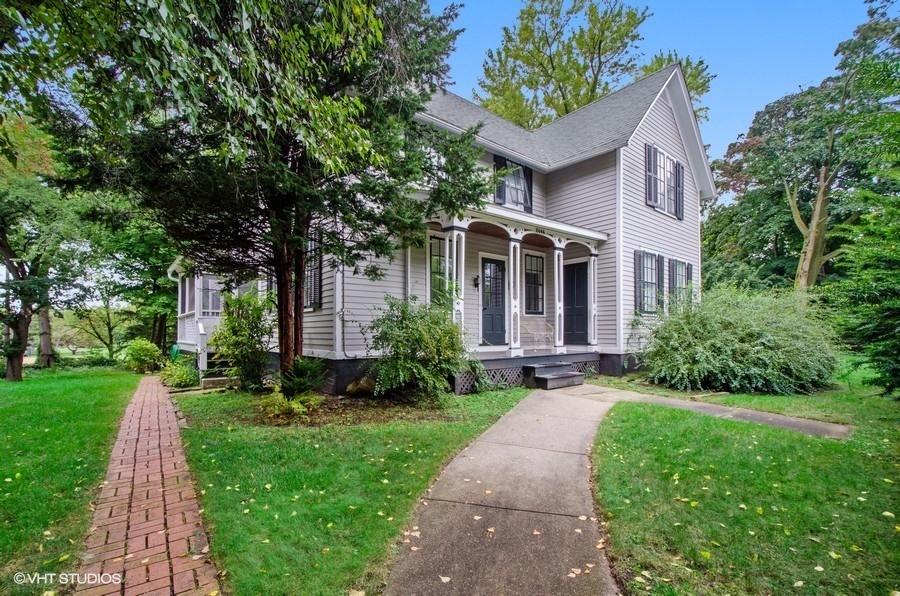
{"type": "Point", "coordinates": [316, 509]}
{"type": "Point", "coordinates": [56, 432]}
{"type": "Point", "coordinates": [705, 505]}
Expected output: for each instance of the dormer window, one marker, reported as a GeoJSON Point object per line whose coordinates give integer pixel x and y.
{"type": "Point", "coordinates": [514, 189]}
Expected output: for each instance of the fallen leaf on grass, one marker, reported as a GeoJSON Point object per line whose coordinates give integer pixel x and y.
{"type": "Point", "coordinates": [640, 579]}
{"type": "Point", "coordinates": [819, 568]}
{"type": "Point", "coordinates": [833, 555]}
{"type": "Point", "coordinates": [798, 584]}
{"type": "Point", "coordinates": [705, 554]}
{"type": "Point", "coordinates": [888, 514]}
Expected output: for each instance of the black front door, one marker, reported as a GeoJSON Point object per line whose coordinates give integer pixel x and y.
{"type": "Point", "coordinates": [493, 302]}
{"type": "Point", "coordinates": [575, 306]}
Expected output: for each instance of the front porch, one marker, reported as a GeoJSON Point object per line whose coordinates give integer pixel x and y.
{"type": "Point", "coordinates": [521, 285]}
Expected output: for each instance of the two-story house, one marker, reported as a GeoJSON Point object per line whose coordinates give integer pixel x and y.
{"type": "Point", "coordinates": [599, 220]}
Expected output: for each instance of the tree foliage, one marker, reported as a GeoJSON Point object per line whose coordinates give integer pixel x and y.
{"type": "Point", "coordinates": [809, 150]}
{"type": "Point", "coordinates": [36, 229]}
{"type": "Point", "coordinates": [561, 55]}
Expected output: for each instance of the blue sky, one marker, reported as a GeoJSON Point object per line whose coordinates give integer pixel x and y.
{"type": "Point", "coordinates": [760, 49]}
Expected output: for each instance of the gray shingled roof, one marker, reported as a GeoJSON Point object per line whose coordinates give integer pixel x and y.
{"type": "Point", "coordinates": [594, 129]}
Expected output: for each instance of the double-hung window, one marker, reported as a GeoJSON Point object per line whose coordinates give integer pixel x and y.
{"type": "Point", "coordinates": [649, 271]}
{"type": "Point", "coordinates": [680, 274]}
{"type": "Point", "coordinates": [534, 285]}
{"type": "Point", "coordinates": [665, 181]}
{"type": "Point", "coordinates": [187, 294]}
{"type": "Point", "coordinates": [438, 268]}
{"type": "Point", "coordinates": [515, 187]}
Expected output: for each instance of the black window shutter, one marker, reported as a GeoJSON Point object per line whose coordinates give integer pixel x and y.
{"type": "Point", "coordinates": [638, 280]}
{"type": "Point", "coordinates": [650, 167]}
{"type": "Point", "coordinates": [689, 275]}
{"type": "Point", "coordinates": [529, 176]}
{"type": "Point", "coordinates": [679, 191]}
{"type": "Point", "coordinates": [660, 281]}
{"type": "Point", "coordinates": [500, 193]}
{"type": "Point", "coordinates": [672, 263]}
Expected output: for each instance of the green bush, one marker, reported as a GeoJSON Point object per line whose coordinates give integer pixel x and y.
{"type": "Point", "coordinates": [282, 408]}
{"type": "Point", "coordinates": [242, 338]}
{"type": "Point", "coordinates": [88, 361]}
{"type": "Point", "coordinates": [421, 349]}
{"type": "Point", "coordinates": [142, 355]}
{"type": "Point", "coordinates": [743, 343]}
{"type": "Point", "coordinates": [307, 374]}
{"type": "Point", "coordinates": [180, 372]}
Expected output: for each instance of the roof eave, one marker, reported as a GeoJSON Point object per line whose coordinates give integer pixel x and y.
{"type": "Point", "coordinates": [482, 141]}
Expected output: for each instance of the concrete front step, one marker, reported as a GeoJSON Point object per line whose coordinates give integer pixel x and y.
{"type": "Point", "coordinates": [558, 380]}
{"type": "Point", "coordinates": [542, 370]}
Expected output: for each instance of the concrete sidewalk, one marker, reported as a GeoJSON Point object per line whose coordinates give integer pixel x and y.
{"type": "Point", "coordinates": [513, 513]}
{"type": "Point", "coordinates": [810, 427]}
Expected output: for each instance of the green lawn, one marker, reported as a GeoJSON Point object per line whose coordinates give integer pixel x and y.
{"type": "Point", "coordinates": [316, 509]}
{"type": "Point", "coordinates": [705, 505]}
{"type": "Point", "coordinates": [56, 432]}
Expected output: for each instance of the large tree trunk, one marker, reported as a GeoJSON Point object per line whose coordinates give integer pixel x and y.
{"type": "Point", "coordinates": [46, 356]}
{"type": "Point", "coordinates": [815, 233]}
{"type": "Point", "coordinates": [15, 351]}
{"type": "Point", "coordinates": [158, 331]}
{"type": "Point", "coordinates": [284, 304]}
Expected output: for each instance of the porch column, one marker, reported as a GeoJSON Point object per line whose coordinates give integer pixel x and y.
{"type": "Point", "coordinates": [455, 238]}
{"type": "Point", "coordinates": [592, 300]}
{"type": "Point", "coordinates": [559, 344]}
{"type": "Point", "coordinates": [515, 296]}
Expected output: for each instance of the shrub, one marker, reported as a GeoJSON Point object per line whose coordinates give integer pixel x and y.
{"type": "Point", "coordinates": [242, 338]}
{"type": "Point", "coordinates": [142, 355]}
{"type": "Point", "coordinates": [421, 349]}
{"type": "Point", "coordinates": [88, 361]}
{"type": "Point", "coordinates": [180, 372]}
{"type": "Point", "coordinates": [741, 342]}
{"type": "Point", "coordinates": [306, 375]}
{"type": "Point", "coordinates": [281, 407]}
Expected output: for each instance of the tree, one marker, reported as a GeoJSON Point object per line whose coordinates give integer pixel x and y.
{"type": "Point", "coordinates": [696, 77]}
{"type": "Point", "coordinates": [105, 322]}
{"type": "Point", "coordinates": [34, 225]}
{"type": "Point", "coordinates": [260, 163]}
{"type": "Point", "coordinates": [68, 334]}
{"type": "Point", "coordinates": [808, 145]}
{"type": "Point", "coordinates": [563, 55]}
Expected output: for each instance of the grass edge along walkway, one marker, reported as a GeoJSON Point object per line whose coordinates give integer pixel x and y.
{"type": "Point", "coordinates": [57, 428]}
{"type": "Point", "coordinates": [317, 510]}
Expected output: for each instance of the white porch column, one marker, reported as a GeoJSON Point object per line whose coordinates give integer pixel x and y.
{"type": "Point", "coordinates": [592, 300]}
{"type": "Point", "coordinates": [455, 238]}
{"type": "Point", "coordinates": [559, 344]}
{"type": "Point", "coordinates": [515, 296]}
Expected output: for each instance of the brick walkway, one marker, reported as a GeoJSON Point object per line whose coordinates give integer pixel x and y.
{"type": "Point", "coordinates": [146, 523]}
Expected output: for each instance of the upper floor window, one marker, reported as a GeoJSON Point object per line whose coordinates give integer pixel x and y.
{"type": "Point", "coordinates": [665, 181]}
{"type": "Point", "coordinates": [514, 188]}
{"type": "Point", "coordinates": [312, 280]}
{"type": "Point", "coordinates": [648, 281]}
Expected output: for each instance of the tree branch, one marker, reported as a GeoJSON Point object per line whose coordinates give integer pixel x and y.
{"type": "Point", "coordinates": [795, 210]}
